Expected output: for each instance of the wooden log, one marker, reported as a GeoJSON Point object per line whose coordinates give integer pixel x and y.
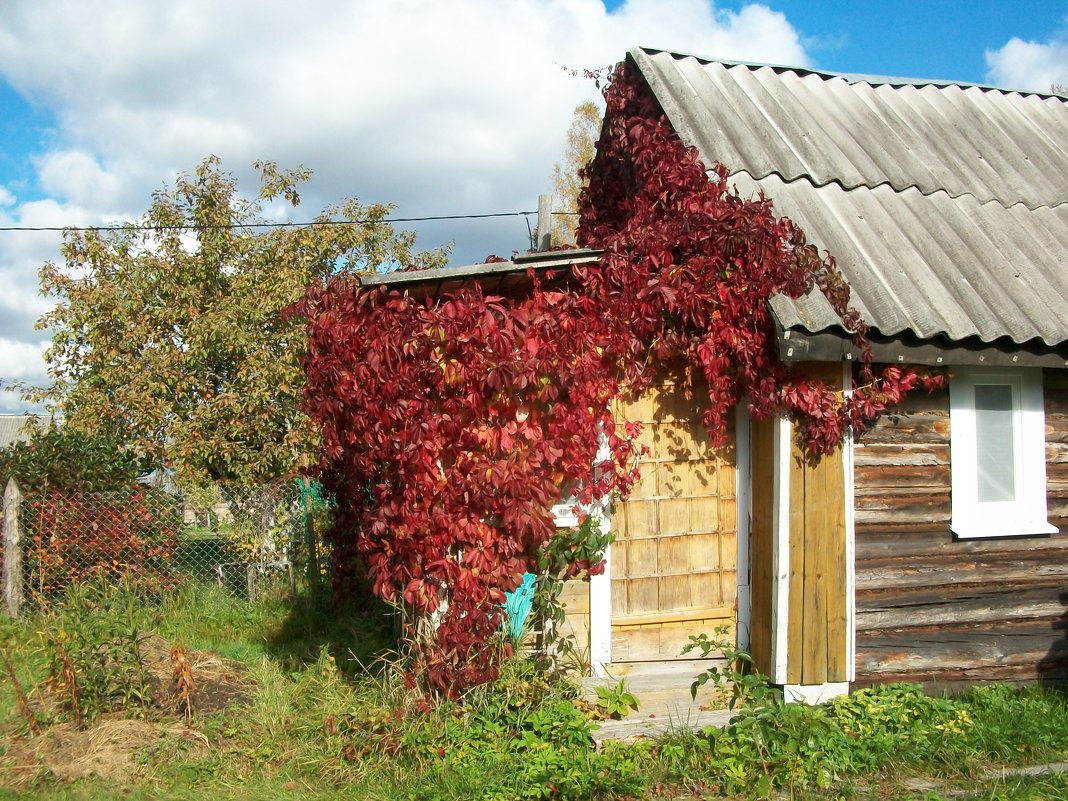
{"type": "Point", "coordinates": [879, 454]}
{"type": "Point", "coordinates": [951, 606]}
{"type": "Point", "coordinates": [896, 509]}
{"type": "Point", "coordinates": [943, 571]}
{"type": "Point", "coordinates": [1030, 645]}
{"type": "Point", "coordinates": [911, 543]}
{"type": "Point", "coordinates": [921, 427]}
{"type": "Point", "coordinates": [873, 478]}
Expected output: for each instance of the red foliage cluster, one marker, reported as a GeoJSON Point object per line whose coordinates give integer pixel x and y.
{"type": "Point", "coordinates": [449, 427]}
{"type": "Point", "coordinates": [74, 535]}
{"type": "Point", "coordinates": [450, 424]}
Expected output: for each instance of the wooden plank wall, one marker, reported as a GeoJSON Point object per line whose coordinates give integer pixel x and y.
{"type": "Point", "coordinates": [575, 599]}
{"type": "Point", "coordinates": [947, 612]}
{"type": "Point", "coordinates": [817, 633]}
{"type": "Point", "coordinates": [817, 637]}
{"type": "Point", "coordinates": [674, 560]}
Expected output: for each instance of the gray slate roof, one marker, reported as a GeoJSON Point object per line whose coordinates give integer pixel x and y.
{"type": "Point", "coordinates": [944, 204]}
{"type": "Point", "coordinates": [13, 428]}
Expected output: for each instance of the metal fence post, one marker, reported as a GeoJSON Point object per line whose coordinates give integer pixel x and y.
{"type": "Point", "coordinates": [12, 550]}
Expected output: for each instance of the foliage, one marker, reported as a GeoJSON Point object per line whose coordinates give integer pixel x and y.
{"type": "Point", "coordinates": [518, 737]}
{"type": "Point", "coordinates": [572, 553]}
{"type": "Point", "coordinates": [745, 685]}
{"type": "Point", "coordinates": [568, 181]}
{"type": "Point", "coordinates": [93, 648]}
{"type": "Point", "coordinates": [261, 526]}
{"type": "Point", "coordinates": [1011, 724]}
{"type": "Point", "coordinates": [891, 717]}
{"type": "Point", "coordinates": [311, 729]}
{"type": "Point", "coordinates": [448, 429]}
{"type": "Point", "coordinates": [167, 334]}
{"type": "Point", "coordinates": [616, 701]}
{"type": "Point", "coordinates": [451, 423]}
{"type": "Point", "coordinates": [74, 535]}
{"type": "Point", "coordinates": [57, 457]}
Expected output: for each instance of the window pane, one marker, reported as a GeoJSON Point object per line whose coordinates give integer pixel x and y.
{"type": "Point", "coordinates": [995, 442]}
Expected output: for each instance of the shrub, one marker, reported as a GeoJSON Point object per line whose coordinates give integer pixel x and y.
{"type": "Point", "coordinates": [73, 535]}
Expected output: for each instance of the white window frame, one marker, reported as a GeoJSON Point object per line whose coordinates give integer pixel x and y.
{"type": "Point", "coordinates": [1026, 514]}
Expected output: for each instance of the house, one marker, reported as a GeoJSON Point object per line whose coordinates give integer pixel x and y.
{"type": "Point", "coordinates": [934, 546]}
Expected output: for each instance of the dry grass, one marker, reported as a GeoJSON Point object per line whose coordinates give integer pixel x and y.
{"type": "Point", "coordinates": [110, 750]}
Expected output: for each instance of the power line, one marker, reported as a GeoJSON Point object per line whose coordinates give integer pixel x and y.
{"type": "Point", "coordinates": [232, 226]}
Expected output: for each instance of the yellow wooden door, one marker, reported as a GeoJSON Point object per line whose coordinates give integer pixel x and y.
{"type": "Point", "coordinates": [674, 561]}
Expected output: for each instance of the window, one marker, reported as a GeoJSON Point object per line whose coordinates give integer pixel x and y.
{"type": "Point", "coordinates": [998, 453]}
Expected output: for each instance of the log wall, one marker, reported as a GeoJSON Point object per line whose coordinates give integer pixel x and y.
{"type": "Point", "coordinates": [934, 609]}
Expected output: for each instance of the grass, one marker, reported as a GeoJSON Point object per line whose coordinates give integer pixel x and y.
{"type": "Point", "coordinates": [328, 715]}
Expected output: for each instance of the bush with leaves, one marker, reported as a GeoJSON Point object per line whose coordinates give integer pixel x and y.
{"type": "Point", "coordinates": [74, 535]}
{"type": "Point", "coordinates": [84, 512]}
{"type": "Point", "coordinates": [60, 458]}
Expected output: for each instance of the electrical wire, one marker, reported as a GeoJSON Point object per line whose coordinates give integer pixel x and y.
{"type": "Point", "coordinates": [235, 226]}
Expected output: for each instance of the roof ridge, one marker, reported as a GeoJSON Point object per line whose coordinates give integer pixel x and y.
{"type": "Point", "coordinates": [849, 77]}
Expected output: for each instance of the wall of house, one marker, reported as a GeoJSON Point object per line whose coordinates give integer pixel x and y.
{"type": "Point", "coordinates": [934, 609]}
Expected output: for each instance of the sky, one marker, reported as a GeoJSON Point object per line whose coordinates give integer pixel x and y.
{"type": "Point", "coordinates": [443, 108]}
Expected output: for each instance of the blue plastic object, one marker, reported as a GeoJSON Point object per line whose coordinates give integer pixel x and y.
{"type": "Point", "coordinates": [517, 605]}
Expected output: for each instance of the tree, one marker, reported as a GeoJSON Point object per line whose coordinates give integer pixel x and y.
{"type": "Point", "coordinates": [568, 180]}
{"type": "Point", "coordinates": [169, 334]}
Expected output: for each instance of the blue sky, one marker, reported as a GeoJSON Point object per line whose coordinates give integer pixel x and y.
{"type": "Point", "coordinates": [442, 108]}
{"type": "Point", "coordinates": [946, 39]}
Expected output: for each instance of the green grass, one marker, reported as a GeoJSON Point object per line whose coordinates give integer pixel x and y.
{"type": "Point", "coordinates": [329, 716]}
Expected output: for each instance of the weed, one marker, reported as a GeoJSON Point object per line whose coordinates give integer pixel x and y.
{"type": "Point", "coordinates": [571, 553]}
{"type": "Point", "coordinates": [321, 722]}
{"type": "Point", "coordinates": [615, 701]}
{"type": "Point", "coordinates": [183, 681]}
{"type": "Point", "coordinates": [92, 643]}
{"type": "Point", "coordinates": [745, 685]}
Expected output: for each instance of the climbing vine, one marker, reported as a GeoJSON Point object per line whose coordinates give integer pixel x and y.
{"type": "Point", "coordinates": [449, 426]}
{"type": "Point", "coordinates": [450, 423]}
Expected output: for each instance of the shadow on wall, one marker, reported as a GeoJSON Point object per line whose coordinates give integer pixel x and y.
{"type": "Point", "coordinates": [1053, 667]}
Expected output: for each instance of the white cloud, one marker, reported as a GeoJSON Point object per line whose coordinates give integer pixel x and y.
{"type": "Point", "coordinates": [1029, 65]}
{"type": "Point", "coordinates": [23, 368]}
{"type": "Point", "coordinates": [442, 108]}
{"type": "Point", "coordinates": [77, 177]}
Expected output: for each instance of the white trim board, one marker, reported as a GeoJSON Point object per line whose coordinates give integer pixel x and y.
{"type": "Point", "coordinates": [813, 694]}
{"type": "Point", "coordinates": [850, 536]}
{"type": "Point", "coordinates": [780, 563]}
{"type": "Point", "coordinates": [743, 477]}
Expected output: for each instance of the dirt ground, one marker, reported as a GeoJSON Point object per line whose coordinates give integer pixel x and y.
{"type": "Point", "coordinates": [112, 747]}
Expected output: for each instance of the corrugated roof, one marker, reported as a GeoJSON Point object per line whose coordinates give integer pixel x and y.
{"type": "Point", "coordinates": [13, 428]}
{"type": "Point", "coordinates": [945, 205]}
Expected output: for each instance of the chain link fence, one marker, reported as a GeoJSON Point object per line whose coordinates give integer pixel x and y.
{"type": "Point", "coordinates": [246, 540]}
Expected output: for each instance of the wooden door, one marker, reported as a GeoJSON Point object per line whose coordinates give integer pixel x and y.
{"type": "Point", "coordinates": [674, 561]}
